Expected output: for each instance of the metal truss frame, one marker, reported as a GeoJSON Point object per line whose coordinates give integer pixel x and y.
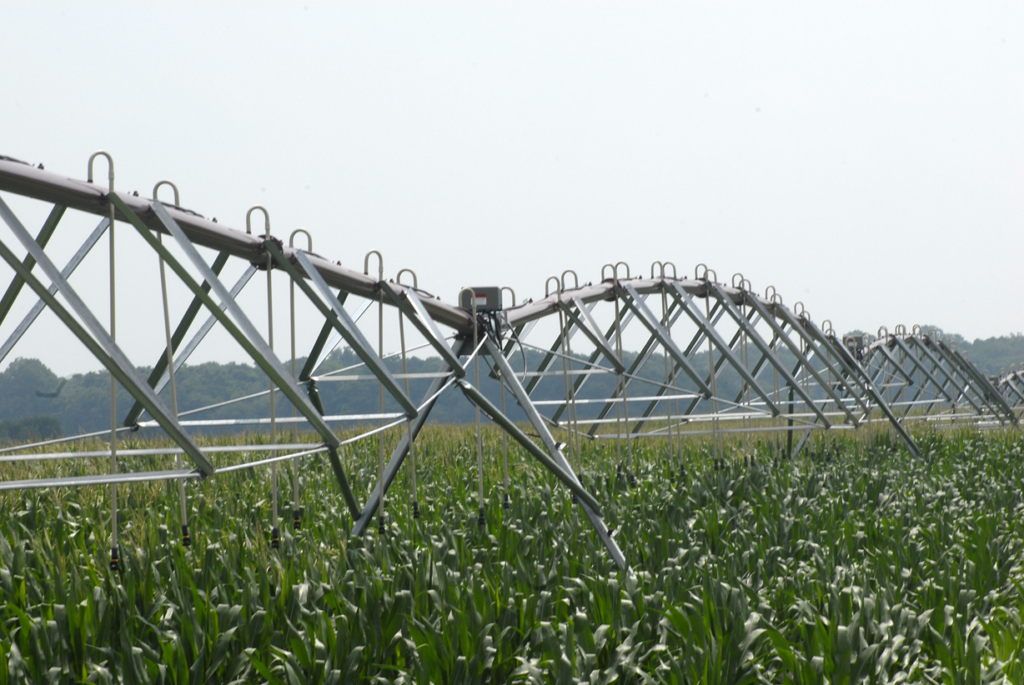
{"type": "Point", "coordinates": [717, 359]}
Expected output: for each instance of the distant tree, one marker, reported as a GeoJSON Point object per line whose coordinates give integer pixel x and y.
{"type": "Point", "coordinates": [25, 389]}
{"type": "Point", "coordinates": [29, 429]}
{"type": "Point", "coordinates": [955, 338]}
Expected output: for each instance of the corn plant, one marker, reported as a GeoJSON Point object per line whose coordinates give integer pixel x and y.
{"type": "Point", "coordinates": [853, 562]}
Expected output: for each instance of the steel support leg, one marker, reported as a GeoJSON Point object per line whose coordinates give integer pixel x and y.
{"type": "Point", "coordinates": [399, 454]}
{"type": "Point", "coordinates": [549, 443]}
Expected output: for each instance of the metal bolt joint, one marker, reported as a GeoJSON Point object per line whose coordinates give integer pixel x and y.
{"type": "Point", "coordinates": [261, 263]}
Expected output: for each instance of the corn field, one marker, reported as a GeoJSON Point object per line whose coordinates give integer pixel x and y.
{"type": "Point", "coordinates": [850, 563]}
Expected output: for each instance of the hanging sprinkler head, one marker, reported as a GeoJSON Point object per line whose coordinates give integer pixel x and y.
{"type": "Point", "coordinates": [275, 538]}
{"type": "Point", "coordinates": [186, 541]}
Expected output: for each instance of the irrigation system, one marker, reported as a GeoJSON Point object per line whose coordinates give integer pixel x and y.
{"type": "Point", "coordinates": [720, 363]}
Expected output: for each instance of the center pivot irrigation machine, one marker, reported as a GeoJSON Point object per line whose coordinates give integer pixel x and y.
{"type": "Point", "coordinates": [789, 376]}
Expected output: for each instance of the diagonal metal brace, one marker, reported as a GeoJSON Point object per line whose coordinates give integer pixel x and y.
{"type": "Point", "coordinates": [402, 450]}
{"type": "Point", "coordinates": [493, 413]}
{"type": "Point", "coordinates": [852, 370]}
{"type": "Point", "coordinates": [924, 371]}
{"type": "Point", "coordinates": [250, 339]}
{"type": "Point", "coordinates": [156, 377]}
{"type": "Point", "coordinates": [939, 366]}
{"type": "Point", "coordinates": [631, 298]}
{"type": "Point", "coordinates": [801, 359]}
{"type": "Point", "coordinates": [318, 347]}
{"type": "Point", "coordinates": [411, 305]}
{"type": "Point", "coordinates": [552, 447]}
{"type": "Point", "coordinates": [342, 322]}
{"type": "Point", "coordinates": [698, 318]}
{"type": "Point", "coordinates": [717, 312]}
{"type": "Point", "coordinates": [986, 387]}
{"type": "Point", "coordinates": [584, 320]}
{"type": "Point", "coordinates": [99, 343]}
{"type": "Point", "coordinates": [66, 272]}
{"type": "Point", "coordinates": [875, 396]}
{"type": "Point", "coordinates": [14, 289]}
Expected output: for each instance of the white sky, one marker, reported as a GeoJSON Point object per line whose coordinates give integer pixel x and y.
{"type": "Point", "coordinates": [866, 158]}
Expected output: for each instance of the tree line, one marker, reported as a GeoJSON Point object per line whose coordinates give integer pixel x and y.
{"type": "Point", "coordinates": [36, 403]}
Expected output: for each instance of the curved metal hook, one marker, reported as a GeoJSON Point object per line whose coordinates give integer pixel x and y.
{"type": "Point", "coordinates": [826, 328]}
{"type": "Point", "coordinates": [309, 239]}
{"type": "Point", "coordinates": [177, 197]}
{"type": "Point", "coordinates": [660, 271]}
{"type": "Point", "coordinates": [415, 281]}
{"type": "Point", "coordinates": [266, 220]}
{"type": "Point", "coordinates": [798, 309]}
{"type": "Point", "coordinates": [899, 329]}
{"type": "Point", "coordinates": [509, 288]}
{"type": "Point", "coordinates": [472, 299]}
{"type": "Point", "coordinates": [547, 288]}
{"type": "Point", "coordinates": [917, 330]}
{"type": "Point", "coordinates": [110, 167]}
{"type": "Point", "coordinates": [576, 279]}
{"type": "Point", "coordinates": [380, 264]}
{"type": "Point", "coordinates": [740, 286]}
{"type": "Point", "coordinates": [881, 334]}
{"type": "Point", "coordinates": [615, 270]}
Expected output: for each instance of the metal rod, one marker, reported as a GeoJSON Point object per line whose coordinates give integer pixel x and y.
{"type": "Point", "coordinates": [159, 376]}
{"type": "Point", "coordinates": [66, 272]}
{"type": "Point", "coordinates": [14, 289]}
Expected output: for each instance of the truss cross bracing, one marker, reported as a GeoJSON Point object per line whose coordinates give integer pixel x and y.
{"type": "Point", "coordinates": [715, 359]}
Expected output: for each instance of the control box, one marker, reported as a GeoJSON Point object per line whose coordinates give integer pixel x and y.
{"type": "Point", "coordinates": [855, 344]}
{"type": "Point", "coordinates": [487, 299]}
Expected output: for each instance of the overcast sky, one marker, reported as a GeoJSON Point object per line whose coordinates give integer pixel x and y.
{"type": "Point", "coordinates": [865, 158]}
